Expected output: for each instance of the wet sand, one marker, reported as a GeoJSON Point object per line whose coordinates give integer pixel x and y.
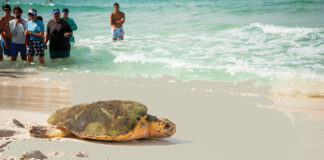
{"type": "Point", "coordinates": [215, 120]}
{"type": "Point", "coordinates": [28, 90]}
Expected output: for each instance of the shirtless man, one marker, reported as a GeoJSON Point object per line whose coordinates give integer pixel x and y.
{"type": "Point", "coordinates": [117, 18]}
{"type": "Point", "coordinates": [5, 30]}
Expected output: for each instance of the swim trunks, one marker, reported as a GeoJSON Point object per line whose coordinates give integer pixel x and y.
{"type": "Point", "coordinates": [6, 51]}
{"type": "Point", "coordinates": [35, 47]}
{"type": "Point", "coordinates": [16, 48]}
{"type": "Point", "coordinates": [118, 33]}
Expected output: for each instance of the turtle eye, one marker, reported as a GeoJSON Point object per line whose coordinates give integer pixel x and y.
{"type": "Point", "coordinates": [166, 126]}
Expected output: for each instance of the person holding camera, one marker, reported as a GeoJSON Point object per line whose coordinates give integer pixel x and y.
{"type": "Point", "coordinates": [17, 27]}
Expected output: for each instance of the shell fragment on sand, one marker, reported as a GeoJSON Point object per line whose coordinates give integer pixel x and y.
{"type": "Point", "coordinates": [17, 123]}
{"type": "Point", "coordinates": [33, 155]}
{"type": "Point", "coordinates": [81, 154]}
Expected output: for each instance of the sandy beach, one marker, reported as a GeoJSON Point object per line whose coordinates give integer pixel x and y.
{"type": "Point", "coordinates": [240, 79]}
{"type": "Point", "coordinates": [215, 120]}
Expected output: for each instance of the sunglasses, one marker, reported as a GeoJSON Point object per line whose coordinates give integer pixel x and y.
{"type": "Point", "coordinates": [29, 14]}
{"type": "Point", "coordinates": [7, 9]}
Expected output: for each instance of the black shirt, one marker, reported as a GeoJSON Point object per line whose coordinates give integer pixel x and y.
{"type": "Point", "coordinates": [56, 31]}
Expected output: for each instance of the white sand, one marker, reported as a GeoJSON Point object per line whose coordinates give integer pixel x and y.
{"type": "Point", "coordinates": [215, 120]}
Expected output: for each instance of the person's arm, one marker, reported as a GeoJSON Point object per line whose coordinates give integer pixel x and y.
{"type": "Point", "coordinates": [46, 38]}
{"type": "Point", "coordinates": [41, 29]}
{"type": "Point", "coordinates": [68, 31]}
{"type": "Point", "coordinates": [122, 20]}
{"type": "Point", "coordinates": [68, 34]}
{"type": "Point", "coordinates": [40, 34]}
{"type": "Point", "coordinates": [111, 21]}
{"type": "Point", "coordinates": [47, 35]}
{"type": "Point", "coordinates": [4, 37]}
{"type": "Point", "coordinates": [1, 29]}
{"type": "Point", "coordinates": [73, 25]}
{"type": "Point", "coordinates": [25, 33]}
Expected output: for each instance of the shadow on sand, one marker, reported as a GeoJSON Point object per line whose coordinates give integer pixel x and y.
{"type": "Point", "coordinates": [12, 74]}
{"type": "Point", "coordinates": [140, 142]}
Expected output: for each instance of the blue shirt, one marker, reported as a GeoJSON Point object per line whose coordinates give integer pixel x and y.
{"type": "Point", "coordinates": [35, 27]}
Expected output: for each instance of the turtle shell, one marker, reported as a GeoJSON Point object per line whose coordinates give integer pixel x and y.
{"type": "Point", "coordinates": [102, 118]}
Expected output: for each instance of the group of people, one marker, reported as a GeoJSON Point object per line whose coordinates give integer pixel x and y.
{"type": "Point", "coordinates": [28, 37]}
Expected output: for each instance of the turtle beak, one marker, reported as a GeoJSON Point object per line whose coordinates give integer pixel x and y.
{"type": "Point", "coordinates": [171, 130]}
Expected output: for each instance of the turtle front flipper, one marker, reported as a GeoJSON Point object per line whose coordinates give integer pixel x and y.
{"type": "Point", "coordinates": [48, 132]}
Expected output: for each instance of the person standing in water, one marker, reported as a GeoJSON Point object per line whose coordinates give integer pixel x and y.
{"type": "Point", "coordinates": [117, 18]}
{"type": "Point", "coordinates": [35, 33]}
{"type": "Point", "coordinates": [5, 30]}
{"type": "Point", "coordinates": [65, 16]}
{"type": "Point", "coordinates": [58, 33]}
{"type": "Point", "coordinates": [17, 28]}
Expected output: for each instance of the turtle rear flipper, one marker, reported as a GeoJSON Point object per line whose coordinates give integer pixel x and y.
{"type": "Point", "coordinates": [48, 132]}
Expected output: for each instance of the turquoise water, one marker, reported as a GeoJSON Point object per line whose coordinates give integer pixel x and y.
{"type": "Point", "coordinates": [221, 40]}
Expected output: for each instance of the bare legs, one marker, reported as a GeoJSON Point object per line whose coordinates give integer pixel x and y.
{"type": "Point", "coordinates": [41, 61]}
{"type": "Point", "coordinates": [115, 39]}
{"type": "Point", "coordinates": [14, 58]}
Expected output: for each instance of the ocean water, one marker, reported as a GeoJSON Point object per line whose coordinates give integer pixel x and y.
{"type": "Point", "coordinates": [269, 41]}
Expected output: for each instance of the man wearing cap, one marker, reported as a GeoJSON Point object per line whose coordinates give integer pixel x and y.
{"type": "Point", "coordinates": [58, 33]}
{"type": "Point", "coordinates": [117, 18]}
{"type": "Point", "coordinates": [5, 30]}
{"type": "Point", "coordinates": [65, 16]}
{"type": "Point", "coordinates": [35, 37]}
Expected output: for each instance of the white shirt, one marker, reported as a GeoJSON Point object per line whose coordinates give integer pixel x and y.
{"type": "Point", "coordinates": [17, 31]}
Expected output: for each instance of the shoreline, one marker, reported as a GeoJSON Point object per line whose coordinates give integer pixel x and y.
{"type": "Point", "coordinates": [213, 119]}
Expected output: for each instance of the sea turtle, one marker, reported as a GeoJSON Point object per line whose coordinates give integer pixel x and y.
{"type": "Point", "coordinates": [113, 120]}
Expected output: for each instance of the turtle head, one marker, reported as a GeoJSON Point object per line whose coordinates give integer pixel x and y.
{"type": "Point", "coordinates": [160, 127]}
